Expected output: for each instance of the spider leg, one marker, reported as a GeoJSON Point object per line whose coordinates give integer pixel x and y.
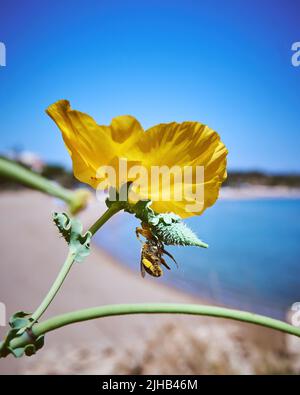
{"type": "Point", "coordinates": [138, 232]}
{"type": "Point", "coordinates": [171, 256]}
{"type": "Point", "coordinates": [165, 263]}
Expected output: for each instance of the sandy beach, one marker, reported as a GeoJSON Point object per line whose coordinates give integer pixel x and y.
{"type": "Point", "coordinates": [31, 256]}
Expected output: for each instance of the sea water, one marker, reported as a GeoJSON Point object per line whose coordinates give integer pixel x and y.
{"type": "Point", "coordinates": [253, 259]}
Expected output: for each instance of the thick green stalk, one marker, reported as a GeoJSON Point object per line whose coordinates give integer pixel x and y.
{"type": "Point", "coordinates": [125, 309]}
{"type": "Point", "coordinates": [33, 180]}
{"type": "Point", "coordinates": [112, 210]}
{"type": "Point", "coordinates": [54, 289]}
{"type": "Point", "coordinates": [68, 264]}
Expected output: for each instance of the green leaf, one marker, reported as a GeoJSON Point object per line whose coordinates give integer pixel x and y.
{"type": "Point", "coordinates": [18, 324]}
{"type": "Point", "coordinates": [71, 230]}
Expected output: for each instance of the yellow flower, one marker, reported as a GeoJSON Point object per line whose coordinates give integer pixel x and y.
{"type": "Point", "coordinates": [185, 145]}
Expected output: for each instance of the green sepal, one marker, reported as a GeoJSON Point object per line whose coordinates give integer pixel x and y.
{"type": "Point", "coordinates": [118, 197]}
{"type": "Point", "coordinates": [169, 228]}
{"type": "Point", "coordinates": [71, 230]}
{"type": "Point", "coordinates": [19, 323]}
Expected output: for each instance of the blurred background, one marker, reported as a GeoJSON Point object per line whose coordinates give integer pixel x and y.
{"type": "Point", "coordinates": [225, 64]}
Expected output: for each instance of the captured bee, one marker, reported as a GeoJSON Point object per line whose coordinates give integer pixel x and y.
{"type": "Point", "coordinates": [152, 252]}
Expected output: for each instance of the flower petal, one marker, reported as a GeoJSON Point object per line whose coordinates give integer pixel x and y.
{"type": "Point", "coordinates": [187, 144]}
{"type": "Point", "coordinates": [91, 145]}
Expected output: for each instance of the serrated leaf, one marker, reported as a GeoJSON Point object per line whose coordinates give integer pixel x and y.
{"type": "Point", "coordinates": [71, 230]}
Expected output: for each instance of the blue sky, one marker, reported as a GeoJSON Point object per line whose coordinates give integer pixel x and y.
{"type": "Point", "coordinates": [224, 63]}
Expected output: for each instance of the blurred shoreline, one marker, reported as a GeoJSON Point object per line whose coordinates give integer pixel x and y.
{"type": "Point", "coordinates": [32, 254]}
{"type": "Point", "coordinates": [259, 192]}
{"type": "Point", "coordinates": [251, 184]}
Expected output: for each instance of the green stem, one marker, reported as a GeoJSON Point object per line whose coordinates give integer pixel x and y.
{"type": "Point", "coordinates": [33, 180]}
{"type": "Point", "coordinates": [125, 309]}
{"type": "Point", "coordinates": [54, 289]}
{"type": "Point", "coordinates": [114, 208]}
